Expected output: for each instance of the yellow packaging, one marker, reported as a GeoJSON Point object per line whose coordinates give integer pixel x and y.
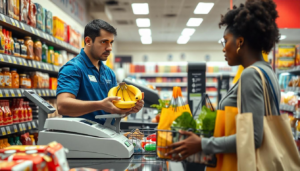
{"type": "Point", "coordinates": [297, 60]}
{"type": "Point", "coordinates": [286, 56]}
{"type": "Point", "coordinates": [58, 28]}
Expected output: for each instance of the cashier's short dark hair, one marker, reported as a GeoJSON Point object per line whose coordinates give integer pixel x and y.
{"type": "Point", "coordinates": [255, 21]}
{"type": "Point", "coordinates": [92, 29]}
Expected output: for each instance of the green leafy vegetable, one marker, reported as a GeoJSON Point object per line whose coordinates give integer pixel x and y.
{"type": "Point", "coordinates": [184, 122]}
{"type": "Point", "coordinates": [162, 104]}
{"type": "Point", "coordinates": [206, 120]}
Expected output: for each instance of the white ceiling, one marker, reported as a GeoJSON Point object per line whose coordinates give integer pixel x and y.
{"type": "Point", "coordinates": [168, 29]}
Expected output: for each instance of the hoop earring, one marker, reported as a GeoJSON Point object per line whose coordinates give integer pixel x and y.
{"type": "Point", "coordinates": [238, 49]}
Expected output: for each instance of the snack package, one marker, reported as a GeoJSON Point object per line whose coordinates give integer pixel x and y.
{"type": "Point", "coordinates": [40, 17]}
{"type": "Point", "coordinates": [17, 10]}
{"type": "Point", "coordinates": [31, 14]}
{"type": "Point", "coordinates": [58, 28]}
{"type": "Point", "coordinates": [2, 6]}
{"type": "Point", "coordinates": [49, 22]}
{"type": "Point", "coordinates": [286, 56]}
{"type": "Point", "coordinates": [19, 165]}
{"type": "Point", "coordinates": [54, 150]}
{"type": "Point", "coordinates": [24, 8]}
{"type": "Point", "coordinates": [10, 8]}
{"type": "Point", "coordinates": [39, 161]}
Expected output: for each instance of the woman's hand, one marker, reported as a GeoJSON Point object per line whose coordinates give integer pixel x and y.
{"type": "Point", "coordinates": [185, 148]}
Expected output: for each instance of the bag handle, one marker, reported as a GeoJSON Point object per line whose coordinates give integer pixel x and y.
{"type": "Point", "coordinates": [265, 92]}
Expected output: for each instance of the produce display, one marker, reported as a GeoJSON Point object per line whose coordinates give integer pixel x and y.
{"type": "Point", "coordinates": [129, 95]}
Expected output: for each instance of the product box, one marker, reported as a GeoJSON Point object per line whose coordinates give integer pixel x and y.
{"type": "Point", "coordinates": [24, 8]}
{"type": "Point", "coordinates": [74, 37]}
{"type": "Point", "coordinates": [286, 56]}
{"type": "Point", "coordinates": [39, 161]}
{"type": "Point", "coordinates": [2, 6]}
{"type": "Point", "coordinates": [10, 8]}
{"type": "Point", "coordinates": [53, 83]}
{"type": "Point", "coordinates": [49, 22]}
{"type": "Point", "coordinates": [58, 28]}
{"type": "Point", "coordinates": [54, 150]}
{"type": "Point", "coordinates": [17, 10]}
{"type": "Point", "coordinates": [19, 165]}
{"type": "Point", "coordinates": [31, 14]}
{"type": "Point", "coordinates": [40, 17]}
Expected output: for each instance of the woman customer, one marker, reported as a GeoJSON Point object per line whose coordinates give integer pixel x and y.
{"type": "Point", "coordinates": [250, 30]}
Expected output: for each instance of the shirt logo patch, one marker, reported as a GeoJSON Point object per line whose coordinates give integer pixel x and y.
{"type": "Point", "coordinates": [92, 78]}
{"type": "Point", "coordinates": [108, 81]}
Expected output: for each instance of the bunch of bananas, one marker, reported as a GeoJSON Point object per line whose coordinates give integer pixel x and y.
{"type": "Point", "coordinates": [129, 95]}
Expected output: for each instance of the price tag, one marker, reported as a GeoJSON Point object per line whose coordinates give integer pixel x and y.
{"type": "Point", "coordinates": [3, 17]}
{"type": "Point", "coordinates": [24, 127]}
{"type": "Point", "coordinates": [20, 127]}
{"type": "Point", "coordinates": [47, 92]}
{"type": "Point", "coordinates": [52, 92]}
{"type": "Point", "coordinates": [29, 126]}
{"type": "Point", "coordinates": [43, 91]}
{"type": "Point", "coordinates": [6, 93]}
{"type": "Point", "coordinates": [14, 60]}
{"type": "Point", "coordinates": [22, 91]}
{"type": "Point", "coordinates": [1, 95]}
{"type": "Point", "coordinates": [3, 131]}
{"type": "Point", "coordinates": [39, 92]}
{"type": "Point", "coordinates": [33, 125]}
{"type": "Point", "coordinates": [34, 64]}
{"type": "Point", "coordinates": [22, 25]}
{"type": "Point", "coordinates": [12, 93]}
{"type": "Point", "coordinates": [32, 30]}
{"type": "Point", "coordinates": [29, 63]}
{"type": "Point", "coordinates": [1, 58]}
{"type": "Point", "coordinates": [15, 128]}
{"type": "Point", "coordinates": [8, 130]}
{"type": "Point", "coordinates": [20, 61]}
{"type": "Point", "coordinates": [39, 65]}
{"type": "Point", "coordinates": [9, 59]}
{"type": "Point", "coordinates": [17, 23]}
{"type": "Point", "coordinates": [24, 61]}
{"type": "Point", "coordinates": [37, 32]}
{"type": "Point", "coordinates": [12, 22]}
{"type": "Point", "coordinates": [19, 93]}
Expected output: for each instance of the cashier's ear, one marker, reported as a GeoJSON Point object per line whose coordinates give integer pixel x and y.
{"type": "Point", "coordinates": [88, 41]}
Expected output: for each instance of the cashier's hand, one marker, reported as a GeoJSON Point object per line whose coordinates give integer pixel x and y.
{"type": "Point", "coordinates": [108, 106]}
{"type": "Point", "coordinates": [185, 148]}
{"type": "Point", "coordinates": [138, 106]}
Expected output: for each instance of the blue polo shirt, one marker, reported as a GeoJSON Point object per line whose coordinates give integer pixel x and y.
{"type": "Point", "coordinates": [81, 78]}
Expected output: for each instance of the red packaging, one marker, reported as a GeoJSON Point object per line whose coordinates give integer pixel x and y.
{"type": "Point", "coordinates": [24, 8]}
{"type": "Point", "coordinates": [29, 111]}
{"type": "Point", "coordinates": [54, 150]}
{"type": "Point", "coordinates": [21, 110]}
{"type": "Point", "coordinates": [31, 14]}
{"type": "Point", "coordinates": [7, 117]}
{"type": "Point", "coordinates": [39, 161]}
{"type": "Point", "coordinates": [25, 139]}
{"type": "Point", "coordinates": [19, 165]}
{"type": "Point", "coordinates": [6, 41]}
{"type": "Point", "coordinates": [25, 113]}
{"type": "Point", "coordinates": [15, 111]}
{"type": "Point", "coordinates": [1, 114]}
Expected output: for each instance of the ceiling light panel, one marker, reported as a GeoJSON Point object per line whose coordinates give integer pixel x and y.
{"type": "Point", "coordinates": [282, 37]}
{"type": "Point", "coordinates": [145, 32]}
{"type": "Point", "coordinates": [203, 8]}
{"type": "Point", "coordinates": [143, 22]}
{"type": "Point", "coordinates": [183, 39]}
{"type": "Point", "coordinates": [188, 32]}
{"type": "Point", "coordinates": [140, 8]}
{"type": "Point", "coordinates": [194, 22]}
{"type": "Point", "coordinates": [146, 40]}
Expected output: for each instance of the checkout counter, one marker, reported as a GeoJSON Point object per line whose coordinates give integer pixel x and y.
{"type": "Point", "coordinates": [97, 146]}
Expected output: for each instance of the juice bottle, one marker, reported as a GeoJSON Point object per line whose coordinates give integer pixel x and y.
{"type": "Point", "coordinates": [7, 118]}
{"type": "Point", "coordinates": [1, 115]}
{"type": "Point", "coordinates": [44, 52]}
{"type": "Point", "coordinates": [37, 50]}
{"type": "Point", "coordinates": [29, 111]}
{"type": "Point", "coordinates": [32, 139]}
{"type": "Point", "coordinates": [35, 80]}
{"type": "Point", "coordinates": [7, 77]}
{"type": "Point", "coordinates": [50, 55]}
{"type": "Point", "coordinates": [10, 116]}
{"type": "Point", "coordinates": [23, 81]}
{"type": "Point", "coordinates": [56, 58]}
{"type": "Point", "coordinates": [2, 83]}
{"type": "Point", "coordinates": [6, 41]}
{"type": "Point", "coordinates": [17, 141]}
{"type": "Point", "coordinates": [15, 111]}
{"type": "Point", "coordinates": [20, 110]}
{"type": "Point", "coordinates": [28, 81]}
{"type": "Point", "coordinates": [2, 41]}
{"type": "Point", "coordinates": [29, 44]}
{"type": "Point", "coordinates": [23, 52]}
{"type": "Point", "coordinates": [12, 43]}
{"type": "Point", "coordinates": [1, 144]}
{"type": "Point", "coordinates": [25, 114]}
{"type": "Point", "coordinates": [6, 142]}
{"type": "Point", "coordinates": [17, 48]}
{"type": "Point", "coordinates": [28, 139]}
{"type": "Point", "coordinates": [15, 78]}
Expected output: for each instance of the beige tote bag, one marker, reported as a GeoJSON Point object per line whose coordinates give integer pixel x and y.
{"type": "Point", "coordinates": [278, 151]}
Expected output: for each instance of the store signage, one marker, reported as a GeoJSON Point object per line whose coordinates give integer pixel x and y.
{"type": "Point", "coordinates": [74, 8]}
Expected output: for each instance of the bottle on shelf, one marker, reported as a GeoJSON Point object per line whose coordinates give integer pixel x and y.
{"type": "Point", "coordinates": [7, 117]}
{"type": "Point", "coordinates": [37, 50]}
{"type": "Point", "coordinates": [20, 110]}
{"type": "Point", "coordinates": [56, 58]}
{"type": "Point", "coordinates": [1, 144]}
{"type": "Point", "coordinates": [25, 114]}
{"type": "Point", "coordinates": [17, 48]}
{"type": "Point", "coordinates": [29, 109]}
{"type": "Point", "coordinates": [29, 44]}
{"type": "Point", "coordinates": [1, 114]}
{"type": "Point", "coordinates": [23, 52]}
{"type": "Point", "coordinates": [12, 44]}
{"type": "Point", "coordinates": [2, 41]}
{"type": "Point", "coordinates": [28, 82]}
{"type": "Point", "coordinates": [7, 77]}
{"type": "Point", "coordinates": [15, 111]}
{"type": "Point", "coordinates": [15, 78]}
{"type": "Point", "coordinates": [45, 53]}
{"type": "Point", "coordinates": [11, 141]}
{"type": "Point", "coordinates": [32, 139]}
{"type": "Point", "coordinates": [23, 81]}
{"type": "Point", "coordinates": [6, 142]}
{"type": "Point", "coordinates": [2, 81]}
{"type": "Point", "coordinates": [6, 41]}
{"type": "Point", "coordinates": [50, 58]}
{"type": "Point", "coordinates": [17, 140]}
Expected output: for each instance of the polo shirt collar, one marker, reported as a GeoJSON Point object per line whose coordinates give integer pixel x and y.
{"type": "Point", "coordinates": [88, 62]}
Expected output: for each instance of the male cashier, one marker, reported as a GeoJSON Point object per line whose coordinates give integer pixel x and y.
{"type": "Point", "coordinates": [84, 82]}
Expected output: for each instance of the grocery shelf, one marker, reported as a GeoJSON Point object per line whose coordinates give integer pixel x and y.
{"type": "Point", "coordinates": [18, 127]}
{"type": "Point", "coordinates": [171, 84]}
{"type": "Point", "coordinates": [288, 108]}
{"type": "Point", "coordinates": [19, 62]}
{"type": "Point", "coordinates": [292, 70]}
{"type": "Point", "coordinates": [211, 84]}
{"type": "Point", "coordinates": [25, 29]}
{"type": "Point", "coordinates": [5, 93]}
